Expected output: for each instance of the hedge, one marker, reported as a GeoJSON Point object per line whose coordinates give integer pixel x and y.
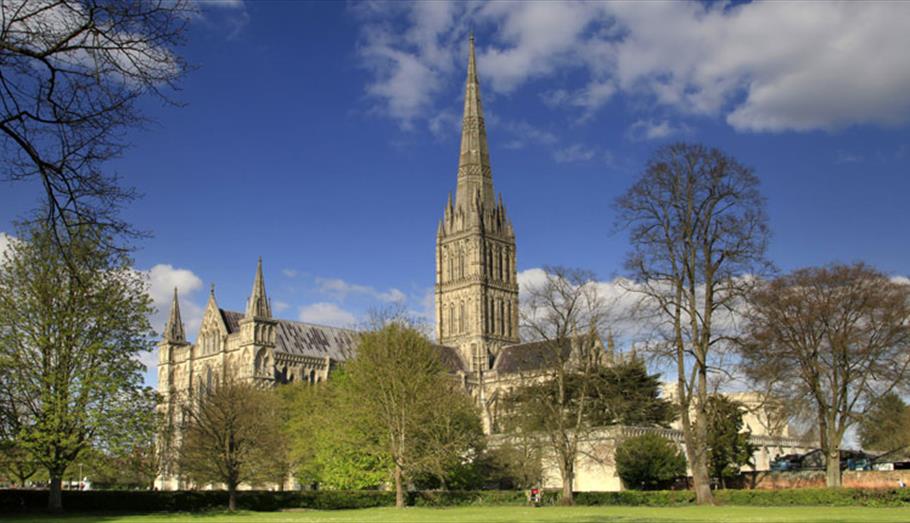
{"type": "Point", "coordinates": [191, 501]}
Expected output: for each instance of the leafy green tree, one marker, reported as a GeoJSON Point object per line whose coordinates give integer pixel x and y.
{"type": "Point", "coordinates": [400, 397]}
{"type": "Point", "coordinates": [231, 437]}
{"type": "Point", "coordinates": [886, 426]}
{"type": "Point", "coordinates": [71, 333]}
{"type": "Point", "coordinates": [325, 448]}
{"type": "Point", "coordinates": [649, 462]}
{"type": "Point", "coordinates": [728, 445]}
{"type": "Point", "coordinates": [16, 463]}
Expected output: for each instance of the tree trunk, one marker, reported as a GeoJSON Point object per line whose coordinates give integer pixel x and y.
{"type": "Point", "coordinates": [700, 475]}
{"type": "Point", "coordinates": [232, 497]}
{"type": "Point", "coordinates": [55, 496]}
{"type": "Point", "coordinates": [701, 481]}
{"type": "Point", "coordinates": [832, 476]}
{"type": "Point", "coordinates": [568, 481]}
{"type": "Point", "coordinates": [399, 488]}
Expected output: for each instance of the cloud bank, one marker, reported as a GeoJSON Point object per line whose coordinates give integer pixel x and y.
{"type": "Point", "coordinates": [759, 66]}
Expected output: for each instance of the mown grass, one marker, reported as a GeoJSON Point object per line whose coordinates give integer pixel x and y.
{"type": "Point", "coordinates": [732, 514]}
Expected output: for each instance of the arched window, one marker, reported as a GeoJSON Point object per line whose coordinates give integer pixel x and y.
{"type": "Point", "coordinates": [499, 253]}
{"type": "Point", "coordinates": [461, 318]}
{"type": "Point", "coordinates": [508, 269]}
{"type": "Point", "coordinates": [451, 275]}
{"type": "Point", "coordinates": [502, 318]}
{"type": "Point", "coordinates": [509, 319]}
{"type": "Point", "coordinates": [491, 321]}
{"type": "Point", "coordinates": [312, 376]}
{"type": "Point", "coordinates": [451, 318]}
{"type": "Point", "coordinates": [208, 378]}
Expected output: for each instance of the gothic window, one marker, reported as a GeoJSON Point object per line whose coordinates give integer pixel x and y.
{"type": "Point", "coordinates": [450, 270]}
{"type": "Point", "coordinates": [461, 265]}
{"type": "Point", "coordinates": [509, 319]}
{"type": "Point", "coordinates": [501, 318]}
{"type": "Point", "coordinates": [312, 376]}
{"type": "Point", "coordinates": [499, 265]}
{"type": "Point", "coordinates": [208, 378]}
{"type": "Point", "coordinates": [490, 312]}
{"type": "Point", "coordinates": [508, 261]}
{"type": "Point", "coordinates": [461, 318]}
{"type": "Point", "coordinates": [261, 363]}
{"type": "Point", "coordinates": [451, 318]}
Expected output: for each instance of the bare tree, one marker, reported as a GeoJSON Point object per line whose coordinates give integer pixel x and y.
{"type": "Point", "coordinates": [837, 335]}
{"type": "Point", "coordinates": [698, 231]}
{"type": "Point", "coordinates": [232, 434]}
{"type": "Point", "coordinates": [564, 314]}
{"type": "Point", "coordinates": [71, 72]}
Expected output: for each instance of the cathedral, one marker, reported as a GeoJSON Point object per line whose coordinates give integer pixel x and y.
{"type": "Point", "coordinates": [476, 302]}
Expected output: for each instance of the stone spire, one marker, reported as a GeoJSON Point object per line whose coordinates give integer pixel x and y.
{"type": "Point", "coordinates": [475, 178]}
{"type": "Point", "coordinates": [173, 330]}
{"type": "Point", "coordinates": [258, 304]}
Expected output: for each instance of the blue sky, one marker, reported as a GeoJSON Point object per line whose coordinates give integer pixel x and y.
{"type": "Point", "coordinates": [324, 138]}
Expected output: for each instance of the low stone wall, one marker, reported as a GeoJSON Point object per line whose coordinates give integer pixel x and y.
{"type": "Point", "coordinates": [816, 479]}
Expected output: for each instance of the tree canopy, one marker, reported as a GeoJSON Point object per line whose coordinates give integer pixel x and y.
{"type": "Point", "coordinates": [72, 329]}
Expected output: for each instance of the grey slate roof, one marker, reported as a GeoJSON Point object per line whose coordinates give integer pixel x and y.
{"type": "Point", "coordinates": [451, 358]}
{"type": "Point", "coordinates": [319, 341]}
{"type": "Point", "coordinates": [304, 339]}
{"type": "Point", "coordinates": [530, 356]}
{"type": "Point", "coordinates": [231, 320]}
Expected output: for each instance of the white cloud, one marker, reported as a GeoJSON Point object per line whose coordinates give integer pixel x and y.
{"type": "Point", "coordinates": [281, 306]}
{"type": "Point", "coordinates": [900, 280]}
{"type": "Point", "coordinates": [162, 280]}
{"type": "Point", "coordinates": [847, 157]}
{"type": "Point", "coordinates": [762, 66]}
{"type": "Point", "coordinates": [523, 133]}
{"type": "Point", "coordinates": [574, 153]}
{"type": "Point", "coordinates": [226, 4]}
{"type": "Point", "coordinates": [326, 314]}
{"type": "Point", "coordinates": [290, 273]}
{"type": "Point", "coordinates": [340, 290]}
{"type": "Point", "coordinates": [653, 130]}
{"type": "Point", "coordinates": [589, 98]}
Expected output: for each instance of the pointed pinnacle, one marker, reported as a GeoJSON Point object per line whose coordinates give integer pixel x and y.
{"type": "Point", "coordinates": [173, 330]}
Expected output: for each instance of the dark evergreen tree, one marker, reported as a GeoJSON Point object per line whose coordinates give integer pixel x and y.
{"type": "Point", "coordinates": [728, 445]}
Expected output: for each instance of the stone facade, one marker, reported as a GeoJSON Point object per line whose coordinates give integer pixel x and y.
{"type": "Point", "coordinates": [250, 346]}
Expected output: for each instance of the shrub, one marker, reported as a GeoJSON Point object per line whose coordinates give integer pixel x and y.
{"type": "Point", "coordinates": [649, 462]}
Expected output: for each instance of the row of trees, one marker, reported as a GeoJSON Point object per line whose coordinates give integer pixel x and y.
{"type": "Point", "coordinates": [828, 342]}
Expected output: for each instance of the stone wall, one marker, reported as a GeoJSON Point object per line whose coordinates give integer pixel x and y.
{"type": "Point", "coordinates": [816, 479]}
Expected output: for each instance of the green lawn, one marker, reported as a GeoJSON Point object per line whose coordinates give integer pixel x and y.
{"type": "Point", "coordinates": [733, 514]}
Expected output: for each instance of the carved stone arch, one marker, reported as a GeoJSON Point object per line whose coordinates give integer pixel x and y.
{"type": "Point", "coordinates": [261, 363]}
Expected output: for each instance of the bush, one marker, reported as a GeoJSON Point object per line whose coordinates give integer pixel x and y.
{"type": "Point", "coordinates": [194, 501]}
{"type": "Point", "coordinates": [461, 498]}
{"type": "Point", "coordinates": [649, 462]}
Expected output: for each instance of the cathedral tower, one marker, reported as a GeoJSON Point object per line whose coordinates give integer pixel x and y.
{"type": "Point", "coordinates": [476, 285]}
